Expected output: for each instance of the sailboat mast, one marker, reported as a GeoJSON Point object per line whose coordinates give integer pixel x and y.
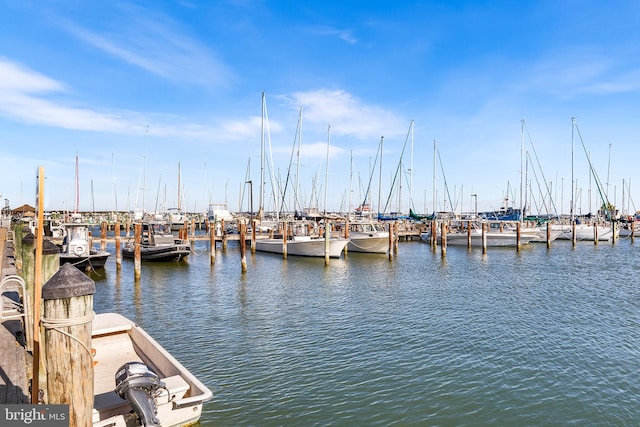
{"type": "Point", "coordinates": [411, 170]}
{"type": "Point", "coordinates": [573, 123]}
{"type": "Point", "coordinates": [296, 201]}
{"type": "Point", "coordinates": [434, 176]}
{"type": "Point", "coordinates": [521, 215]}
{"type": "Point", "coordinates": [351, 182]}
{"type": "Point", "coordinates": [77, 188]}
{"type": "Point", "coordinates": [179, 198]}
{"type": "Point", "coordinates": [326, 172]}
{"type": "Point", "coordinates": [380, 175]}
{"type": "Point", "coordinates": [261, 202]}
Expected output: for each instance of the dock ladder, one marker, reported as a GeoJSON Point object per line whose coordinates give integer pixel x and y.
{"type": "Point", "coordinates": [13, 297]}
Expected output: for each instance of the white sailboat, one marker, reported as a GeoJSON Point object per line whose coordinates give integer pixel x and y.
{"type": "Point", "coordinates": [596, 231]}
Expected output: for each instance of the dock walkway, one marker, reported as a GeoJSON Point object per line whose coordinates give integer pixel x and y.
{"type": "Point", "coordinates": [13, 355]}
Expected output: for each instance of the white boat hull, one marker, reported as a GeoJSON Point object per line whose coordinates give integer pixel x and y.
{"type": "Point", "coordinates": [311, 247]}
{"type": "Point", "coordinates": [116, 341]}
{"type": "Point", "coordinates": [493, 238]}
{"type": "Point", "coordinates": [586, 232]}
{"type": "Point", "coordinates": [375, 242]}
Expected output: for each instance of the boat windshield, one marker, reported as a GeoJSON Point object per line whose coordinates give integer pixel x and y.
{"type": "Point", "coordinates": [77, 233]}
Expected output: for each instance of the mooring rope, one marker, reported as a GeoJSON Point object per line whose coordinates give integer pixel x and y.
{"type": "Point", "coordinates": [57, 324]}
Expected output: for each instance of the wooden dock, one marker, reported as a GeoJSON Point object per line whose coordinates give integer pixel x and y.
{"type": "Point", "coordinates": [13, 355]}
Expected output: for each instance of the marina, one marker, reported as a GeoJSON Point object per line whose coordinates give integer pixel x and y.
{"type": "Point", "coordinates": [541, 335]}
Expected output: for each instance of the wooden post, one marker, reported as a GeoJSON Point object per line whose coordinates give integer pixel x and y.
{"type": "Point", "coordinates": [346, 234]}
{"type": "Point", "coordinates": [443, 234]}
{"type": "Point", "coordinates": [574, 238]}
{"type": "Point", "coordinates": [284, 239]}
{"type": "Point", "coordinates": [613, 230]}
{"type": "Point", "coordinates": [434, 235]}
{"type": "Point", "coordinates": [193, 233]}
{"type": "Point", "coordinates": [518, 243]}
{"type": "Point", "coordinates": [223, 230]}
{"type": "Point", "coordinates": [253, 236]}
{"type": "Point", "coordinates": [37, 290]}
{"type": "Point", "coordinates": [484, 238]}
{"type": "Point", "coordinates": [243, 246]}
{"type": "Point", "coordinates": [28, 261]}
{"type": "Point", "coordinates": [118, 251]}
{"type": "Point", "coordinates": [68, 316]}
{"type": "Point", "coordinates": [469, 235]}
{"type": "Point", "coordinates": [103, 236]}
{"type": "Point", "coordinates": [396, 235]}
{"type": "Point", "coordinates": [137, 261]}
{"type": "Point", "coordinates": [548, 234]}
{"type": "Point", "coordinates": [327, 237]}
{"type": "Point", "coordinates": [212, 242]}
{"type": "Point", "coordinates": [595, 233]}
{"type": "Point", "coordinates": [390, 242]}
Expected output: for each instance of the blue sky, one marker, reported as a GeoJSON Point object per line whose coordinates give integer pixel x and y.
{"type": "Point", "coordinates": [144, 92]}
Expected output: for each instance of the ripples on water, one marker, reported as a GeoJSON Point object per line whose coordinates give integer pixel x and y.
{"type": "Point", "coordinates": [540, 337]}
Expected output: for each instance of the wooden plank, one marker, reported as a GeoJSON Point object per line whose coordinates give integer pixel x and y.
{"type": "Point", "coordinates": [13, 365]}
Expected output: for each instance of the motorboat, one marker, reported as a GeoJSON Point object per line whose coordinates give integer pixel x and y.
{"type": "Point", "coordinates": [368, 237]}
{"type": "Point", "coordinates": [76, 250]}
{"type": "Point", "coordinates": [157, 243]}
{"type": "Point", "coordinates": [137, 382]}
{"type": "Point", "coordinates": [303, 246]}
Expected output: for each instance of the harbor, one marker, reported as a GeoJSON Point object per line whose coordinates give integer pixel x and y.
{"type": "Point", "coordinates": [540, 335]}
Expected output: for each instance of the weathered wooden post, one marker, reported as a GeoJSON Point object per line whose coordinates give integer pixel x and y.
{"type": "Point", "coordinates": [518, 243]}
{"type": "Point", "coordinates": [223, 230]}
{"type": "Point", "coordinates": [390, 241]}
{"type": "Point", "coordinates": [574, 238]}
{"type": "Point", "coordinates": [434, 235]}
{"type": "Point", "coordinates": [633, 230]}
{"type": "Point", "coordinates": [284, 239]}
{"type": "Point", "coordinates": [118, 251]}
{"type": "Point", "coordinates": [137, 260]}
{"type": "Point", "coordinates": [327, 237]}
{"type": "Point", "coordinates": [443, 234]}
{"type": "Point", "coordinates": [28, 259]}
{"type": "Point", "coordinates": [613, 230]}
{"type": "Point", "coordinates": [253, 236]}
{"type": "Point", "coordinates": [67, 322]}
{"type": "Point", "coordinates": [469, 235]}
{"type": "Point", "coordinates": [484, 238]}
{"type": "Point", "coordinates": [243, 247]}
{"type": "Point", "coordinates": [346, 234]}
{"type": "Point", "coordinates": [103, 236]}
{"type": "Point", "coordinates": [548, 234]}
{"type": "Point", "coordinates": [396, 235]}
{"type": "Point", "coordinates": [595, 233]}
{"type": "Point", "coordinates": [212, 243]}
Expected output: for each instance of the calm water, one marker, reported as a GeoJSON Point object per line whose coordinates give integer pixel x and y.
{"type": "Point", "coordinates": [540, 337]}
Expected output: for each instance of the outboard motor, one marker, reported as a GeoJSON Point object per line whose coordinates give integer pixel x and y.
{"type": "Point", "coordinates": [138, 384]}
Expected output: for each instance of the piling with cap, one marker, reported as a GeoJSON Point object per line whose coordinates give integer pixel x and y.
{"type": "Point", "coordinates": [67, 322]}
{"type": "Point", "coordinates": [137, 256]}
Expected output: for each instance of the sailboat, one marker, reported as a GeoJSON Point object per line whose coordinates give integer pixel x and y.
{"type": "Point", "coordinates": [302, 241]}
{"type": "Point", "coordinates": [583, 231]}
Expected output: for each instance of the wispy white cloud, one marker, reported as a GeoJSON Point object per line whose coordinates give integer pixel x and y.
{"type": "Point", "coordinates": [34, 98]}
{"type": "Point", "coordinates": [347, 114]}
{"type": "Point", "coordinates": [343, 34]}
{"type": "Point", "coordinates": [154, 43]}
{"type": "Point", "coordinates": [579, 72]}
